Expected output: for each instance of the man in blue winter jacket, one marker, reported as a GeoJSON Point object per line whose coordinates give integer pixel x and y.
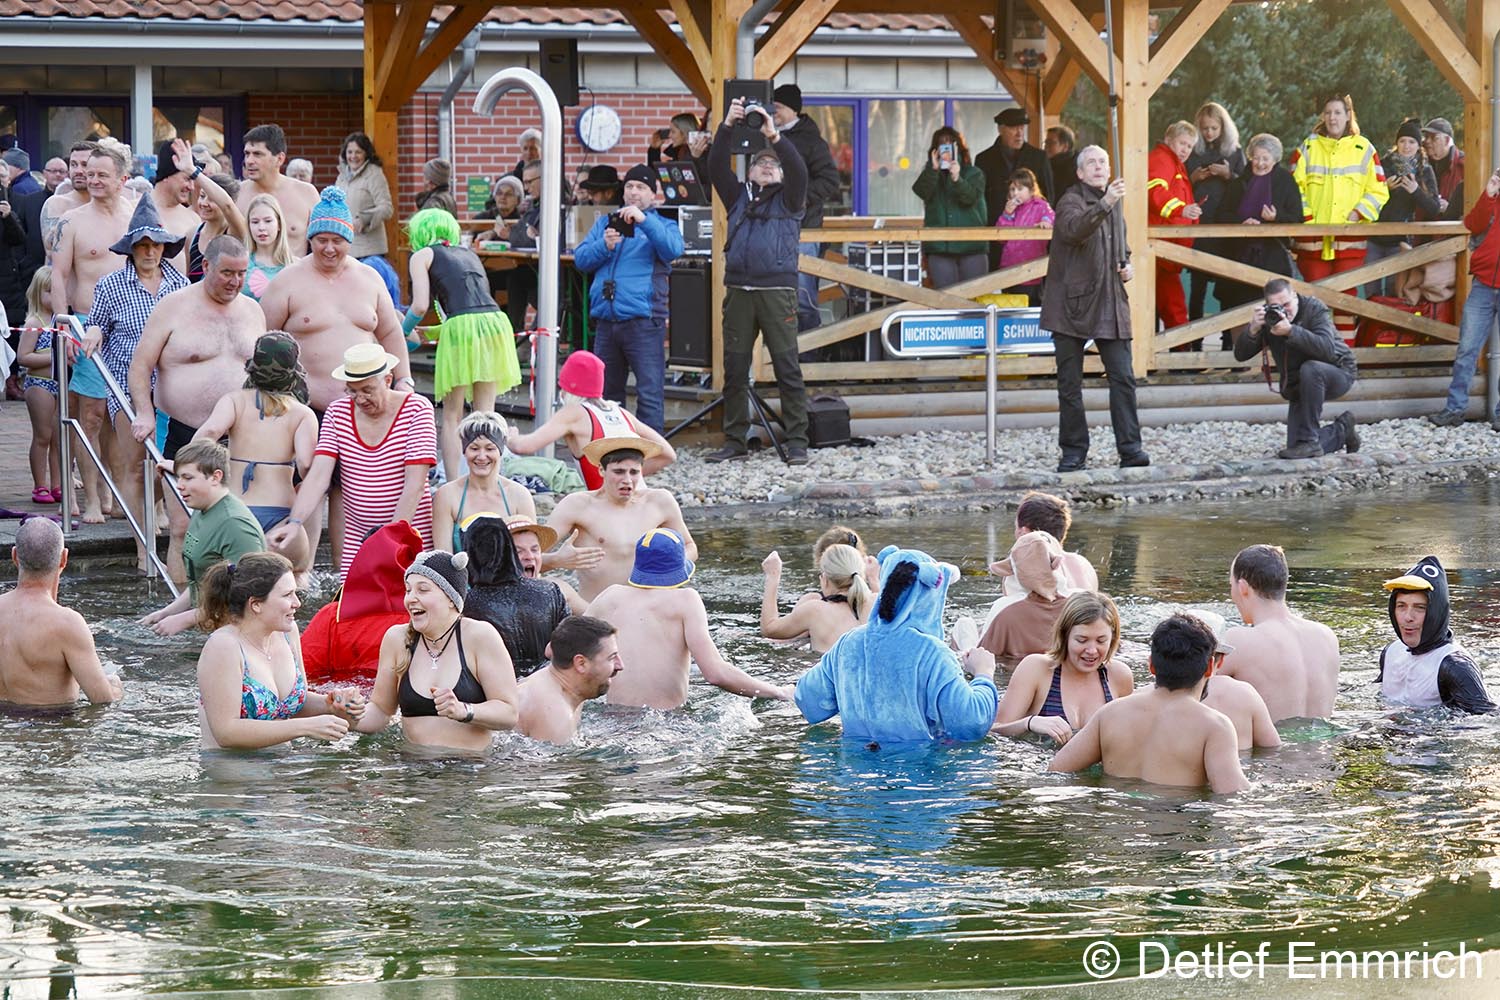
{"type": "Point", "coordinates": [760, 279]}
{"type": "Point", "coordinates": [630, 253]}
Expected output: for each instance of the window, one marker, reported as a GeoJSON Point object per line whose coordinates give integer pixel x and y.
{"type": "Point", "coordinates": [898, 133]}
{"type": "Point", "coordinates": [65, 124]}
{"type": "Point", "coordinates": [191, 122]}
{"type": "Point", "coordinates": [836, 123]}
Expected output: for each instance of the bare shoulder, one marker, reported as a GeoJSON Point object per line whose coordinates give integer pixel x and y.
{"type": "Point", "coordinates": [244, 307]}
{"type": "Point", "coordinates": [663, 498]}
{"type": "Point", "coordinates": [572, 505]}
{"type": "Point", "coordinates": [302, 189]}
{"type": "Point", "coordinates": [1031, 668]}
{"type": "Point", "coordinates": [481, 630]}
{"type": "Point", "coordinates": [394, 638]}
{"type": "Point", "coordinates": [1120, 676]}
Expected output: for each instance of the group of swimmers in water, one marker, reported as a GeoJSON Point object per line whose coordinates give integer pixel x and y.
{"type": "Point", "coordinates": [888, 667]}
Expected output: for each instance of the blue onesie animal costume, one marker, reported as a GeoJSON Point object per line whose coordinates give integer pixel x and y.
{"type": "Point", "coordinates": [894, 679]}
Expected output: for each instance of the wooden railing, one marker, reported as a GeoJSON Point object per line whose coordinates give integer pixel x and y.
{"type": "Point", "coordinates": [1449, 239]}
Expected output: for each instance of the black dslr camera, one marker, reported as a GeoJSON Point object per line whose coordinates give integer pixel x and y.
{"type": "Point", "coordinates": [755, 116]}
{"type": "Point", "coordinates": [1274, 316]}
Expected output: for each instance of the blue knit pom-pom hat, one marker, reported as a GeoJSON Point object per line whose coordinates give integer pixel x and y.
{"type": "Point", "coordinates": [331, 215]}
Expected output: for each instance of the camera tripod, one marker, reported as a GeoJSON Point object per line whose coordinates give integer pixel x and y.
{"type": "Point", "coordinates": [763, 416]}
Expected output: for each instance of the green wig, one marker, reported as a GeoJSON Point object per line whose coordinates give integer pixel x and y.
{"type": "Point", "coordinates": [432, 225]}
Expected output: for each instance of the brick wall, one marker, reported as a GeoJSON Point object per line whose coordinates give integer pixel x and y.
{"type": "Point", "coordinates": [315, 124]}
{"type": "Point", "coordinates": [488, 145]}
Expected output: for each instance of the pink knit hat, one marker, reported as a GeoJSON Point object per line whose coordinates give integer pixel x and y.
{"type": "Point", "coordinates": [582, 375]}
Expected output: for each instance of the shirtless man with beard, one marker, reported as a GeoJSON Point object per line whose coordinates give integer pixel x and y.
{"type": "Point", "coordinates": [197, 341]}
{"type": "Point", "coordinates": [81, 256]}
{"type": "Point", "coordinates": [265, 152]}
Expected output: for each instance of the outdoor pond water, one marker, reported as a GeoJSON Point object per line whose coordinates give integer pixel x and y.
{"type": "Point", "coordinates": [730, 846]}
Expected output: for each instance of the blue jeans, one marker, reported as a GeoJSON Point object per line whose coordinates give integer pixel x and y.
{"type": "Point", "coordinates": [639, 346]}
{"type": "Point", "coordinates": [809, 316]}
{"type": "Point", "coordinates": [1480, 310]}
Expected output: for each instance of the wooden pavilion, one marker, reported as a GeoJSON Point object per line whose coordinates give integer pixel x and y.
{"type": "Point", "coordinates": [401, 53]}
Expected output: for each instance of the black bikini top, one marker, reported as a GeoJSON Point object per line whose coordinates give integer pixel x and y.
{"type": "Point", "coordinates": [414, 705]}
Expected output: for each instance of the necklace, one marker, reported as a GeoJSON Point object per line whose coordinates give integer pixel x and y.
{"type": "Point", "coordinates": [446, 638]}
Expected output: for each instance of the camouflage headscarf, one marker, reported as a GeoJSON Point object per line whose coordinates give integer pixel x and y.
{"type": "Point", "coordinates": [274, 366]}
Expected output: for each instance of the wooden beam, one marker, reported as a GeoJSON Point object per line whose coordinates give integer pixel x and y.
{"type": "Point", "coordinates": [980, 37]}
{"type": "Point", "coordinates": [909, 234]}
{"type": "Point", "coordinates": [1078, 37]}
{"type": "Point", "coordinates": [1481, 22]}
{"type": "Point", "coordinates": [691, 16]}
{"type": "Point", "coordinates": [401, 47]}
{"type": "Point", "coordinates": [1185, 31]}
{"type": "Point", "coordinates": [459, 22]}
{"type": "Point", "coordinates": [672, 49]}
{"type": "Point", "coordinates": [794, 25]}
{"type": "Point", "coordinates": [1057, 86]}
{"type": "Point", "coordinates": [380, 126]}
{"type": "Point", "coordinates": [1443, 45]}
{"type": "Point", "coordinates": [932, 298]}
{"type": "Point", "coordinates": [853, 326]}
{"type": "Point", "coordinates": [1135, 147]}
{"type": "Point", "coordinates": [1329, 289]}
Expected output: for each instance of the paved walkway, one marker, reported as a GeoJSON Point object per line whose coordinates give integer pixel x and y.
{"type": "Point", "coordinates": [110, 539]}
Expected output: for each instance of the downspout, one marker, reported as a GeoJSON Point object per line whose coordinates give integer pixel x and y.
{"type": "Point", "coordinates": [1492, 370]}
{"type": "Point", "coordinates": [445, 104]}
{"type": "Point", "coordinates": [744, 38]}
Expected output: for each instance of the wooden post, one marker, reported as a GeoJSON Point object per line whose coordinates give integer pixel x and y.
{"type": "Point", "coordinates": [1481, 22]}
{"type": "Point", "coordinates": [1135, 146]}
{"type": "Point", "coordinates": [723, 20]}
{"type": "Point", "coordinates": [380, 126]}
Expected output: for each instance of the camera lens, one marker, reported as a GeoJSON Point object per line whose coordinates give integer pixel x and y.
{"type": "Point", "coordinates": [755, 118]}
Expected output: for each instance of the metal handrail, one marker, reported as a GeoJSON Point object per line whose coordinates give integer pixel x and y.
{"type": "Point", "coordinates": [144, 533]}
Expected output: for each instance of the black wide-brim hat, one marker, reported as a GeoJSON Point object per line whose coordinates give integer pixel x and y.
{"type": "Point", "coordinates": [145, 224]}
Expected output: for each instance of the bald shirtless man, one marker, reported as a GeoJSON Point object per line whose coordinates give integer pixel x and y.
{"type": "Point", "coordinates": [662, 624]}
{"type": "Point", "coordinates": [173, 191]}
{"type": "Point", "coordinates": [1165, 734]}
{"type": "Point", "coordinates": [47, 652]}
{"type": "Point", "coordinates": [265, 153]}
{"type": "Point", "coordinates": [1292, 662]}
{"type": "Point", "coordinates": [585, 658]}
{"type": "Point", "coordinates": [73, 195]}
{"type": "Point", "coordinates": [330, 302]}
{"type": "Point", "coordinates": [610, 519]}
{"type": "Point", "coordinates": [197, 342]}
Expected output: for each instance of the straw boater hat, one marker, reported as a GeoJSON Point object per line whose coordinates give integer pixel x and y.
{"type": "Point", "coordinates": [145, 224]}
{"type": "Point", "coordinates": [546, 536]}
{"type": "Point", "coordinates": [364, 361]}
{"type": "Point", "coordinates": [597, 449]}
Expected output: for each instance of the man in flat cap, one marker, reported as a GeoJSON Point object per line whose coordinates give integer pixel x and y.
{"type": "Point", "coordinates": [1010, 152]}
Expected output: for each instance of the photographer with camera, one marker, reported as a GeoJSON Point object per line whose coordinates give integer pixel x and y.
{"type": "Point", "coordinates": [630, 253]}
{"type": "Point", "coordinates": [952, 193]}
{"type": "Point", "coordinates": [1297, 333]}
{"type": "Point", "coordinates": [764, 227]}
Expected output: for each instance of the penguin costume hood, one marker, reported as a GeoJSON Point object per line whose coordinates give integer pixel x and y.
{"type": "Point", "coordinates": [1426, 577]}
{"type": "Point", "coordinates": [1437, 670]}
{"type": "Point", "coordinates": [894, 679]}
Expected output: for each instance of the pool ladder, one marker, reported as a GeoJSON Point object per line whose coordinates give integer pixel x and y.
{"type": "Point", "coordinates": [66, 328]}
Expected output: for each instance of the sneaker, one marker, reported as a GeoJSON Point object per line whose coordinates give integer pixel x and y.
{"type": "Point", "coordinates": [1447, 418]}
{"type": "Point", "coordinates": [728, 453]}
{"type": "Point", "coordinates": [1137, 461]}
{"type": "Point", "coordinates": [1351, 433]}
{"type": "Point", "coordinates": [796, 456]}
{"type": "Point", "coordinates": [1308, 449]}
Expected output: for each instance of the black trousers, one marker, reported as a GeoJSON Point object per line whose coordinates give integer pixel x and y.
{"type": "Point", "coordinates": [1073, 425]}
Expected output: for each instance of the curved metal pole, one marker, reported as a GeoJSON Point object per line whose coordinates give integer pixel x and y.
{"type": "Point", "coordinates": [549, 237]}
{"type": "Point", "coordinates": [744, 39]}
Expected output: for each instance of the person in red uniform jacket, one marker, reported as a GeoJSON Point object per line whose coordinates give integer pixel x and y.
{"type": "Point", "coordinates": [1171, 198]}
{"type": "Point", "coordinates": [342, 642]}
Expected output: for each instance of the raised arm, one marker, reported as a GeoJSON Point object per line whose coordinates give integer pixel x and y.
{"type": "Point", "coordinates": [711, 663]}
{"type": "Point", "coordinates": [560, 425]}
{"type": "Point", "coordinates": [234, 219]}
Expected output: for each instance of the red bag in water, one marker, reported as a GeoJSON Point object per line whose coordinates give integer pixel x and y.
{"type": "Point", "coordinates": [342, 642]}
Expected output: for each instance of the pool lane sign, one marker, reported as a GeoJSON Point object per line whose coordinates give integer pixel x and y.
{"type": "Point", "coordinates": [955, 333]}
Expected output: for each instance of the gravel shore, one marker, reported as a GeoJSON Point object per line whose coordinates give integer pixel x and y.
{"type": "Point", "coordinates": [1202, 459]}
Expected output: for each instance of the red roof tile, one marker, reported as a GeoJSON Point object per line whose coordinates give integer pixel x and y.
{"type": "Point", "coordinates": [351, 11]}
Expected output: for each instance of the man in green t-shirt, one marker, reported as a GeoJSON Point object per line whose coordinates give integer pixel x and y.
{"type": "Point", "coordinates": [222, 529]}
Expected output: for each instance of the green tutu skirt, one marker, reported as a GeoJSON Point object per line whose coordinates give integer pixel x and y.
{"type": "Point", "coordinates": [475, 347]}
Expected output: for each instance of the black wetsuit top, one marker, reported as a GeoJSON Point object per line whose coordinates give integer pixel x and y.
{"type": "Point", "coordinates": [524, 612]}
{"type": "Point", "coordinates": [467, 689]}
{"type": "Point", "coordinates": [459, 282]}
